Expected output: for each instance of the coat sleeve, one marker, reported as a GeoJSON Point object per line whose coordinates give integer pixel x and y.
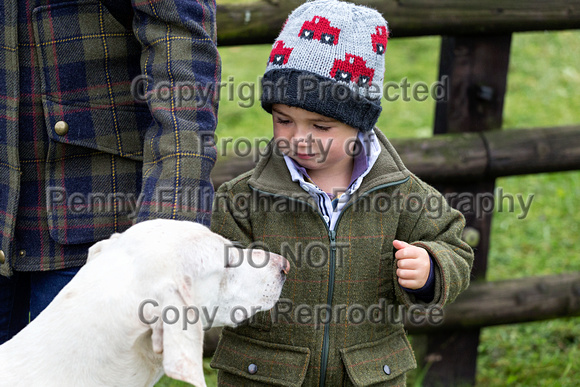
{"type": "Point", "coordinates": [180, 69]}
{"type": "Point", "coordinates": [230, 220]}
{"type": "Point", "coordinates": [438, 229]}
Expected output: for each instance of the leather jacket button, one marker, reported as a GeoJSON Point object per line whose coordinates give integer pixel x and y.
{"type": "Point", "coordinates": [387, 369]}
{"type": "Point", "coordinates": [2, 257]}
{"type": "Point", "coordinates": [252, 369]}
{"type": "Point", "coordinates": [61, 128]}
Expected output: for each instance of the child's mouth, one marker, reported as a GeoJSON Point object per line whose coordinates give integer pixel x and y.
{"type": "Point", "coordinates": [305, 156]}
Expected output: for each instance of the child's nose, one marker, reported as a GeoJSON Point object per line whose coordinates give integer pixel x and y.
{"type": "Point", "coordinates": [304, 140]}
{"type": "Point", "coordinates": [302, 133]}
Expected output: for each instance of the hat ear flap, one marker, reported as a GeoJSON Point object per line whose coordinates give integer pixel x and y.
{"type": "Point", "coordinates": [180, 343]}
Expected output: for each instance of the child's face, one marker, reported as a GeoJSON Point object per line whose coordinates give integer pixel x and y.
{"type": "Point", "coordinates": [316, 142]}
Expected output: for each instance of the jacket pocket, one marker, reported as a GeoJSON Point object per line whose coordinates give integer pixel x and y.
{"type": "Point", "coordinates": [384, 361]}
{"type": "Point", "coordinates": [88, 62]}
{"type": "Point", "coordinates": [96, 128]}
{"type": "Point", "coordinates": [247, 360]}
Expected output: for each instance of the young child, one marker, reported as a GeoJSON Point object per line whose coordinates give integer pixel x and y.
{"type": "Point", "coordinates": [361, 232]}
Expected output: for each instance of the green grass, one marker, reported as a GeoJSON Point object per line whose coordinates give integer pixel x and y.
{"type": "Point", "coordinates": [543, 85]}
{"type": "Point", "coordinates": [543, 90]}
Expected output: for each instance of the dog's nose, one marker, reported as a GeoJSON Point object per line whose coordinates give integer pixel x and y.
{"type": "Point", "coordinates": [285, 266]}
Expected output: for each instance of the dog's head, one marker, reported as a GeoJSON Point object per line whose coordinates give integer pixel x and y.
{"type": "Point", "coordinates": [196, 280]}
{"type": "Point", "coordinates": [251, 282]}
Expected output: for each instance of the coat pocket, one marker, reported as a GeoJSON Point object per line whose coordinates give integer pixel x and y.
{"type": "Point", "coordinates": [249, 360]}
{"type": "Point", "coordinates": [384, 361]}
{"type": "Point", "coordinates": [96, 128]}
{"type": "Point", "coordinates": [88, 62]}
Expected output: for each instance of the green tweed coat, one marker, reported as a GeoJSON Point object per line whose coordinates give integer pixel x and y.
{"type": "Point", "coordinates": [336, 323]}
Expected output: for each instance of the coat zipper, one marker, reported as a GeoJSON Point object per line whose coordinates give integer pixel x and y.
{"type": "Point", "coordinates": [326, 339]}
{"type": "Point", "coordinates": [332, 239]}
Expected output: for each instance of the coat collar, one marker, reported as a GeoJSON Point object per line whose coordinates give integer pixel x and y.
{"type": "Point", "coordinates": [271, 174]}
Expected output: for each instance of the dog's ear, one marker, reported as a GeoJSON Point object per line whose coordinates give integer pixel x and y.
{"type": "Point", "coordinates": [96, 249]}
{"type": "Point", "coordinates": [181, 343]}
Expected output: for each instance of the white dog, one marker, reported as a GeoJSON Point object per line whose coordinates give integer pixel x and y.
{"type": "Point", "coordinates": [139, 307]}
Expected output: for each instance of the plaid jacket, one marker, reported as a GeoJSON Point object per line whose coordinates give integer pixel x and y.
{"type": "Point", "coordinates": [350, 270]}
{"type": "Point", "coordinates": [101, 126]}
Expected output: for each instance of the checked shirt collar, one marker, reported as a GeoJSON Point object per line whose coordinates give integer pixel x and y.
{"type": "Point", "coordinates": [331, 205]}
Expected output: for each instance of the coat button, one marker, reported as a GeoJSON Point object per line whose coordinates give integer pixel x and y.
{"type": "Point", "coordinates": [387, 369]}
{"type": "Point", "coordinates": [61, 128]}
{"type": "Point", "coordinates": [252, 369]}
{"type": "Point", "coordinates": [2, 257]}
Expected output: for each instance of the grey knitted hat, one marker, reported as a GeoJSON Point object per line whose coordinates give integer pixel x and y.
{"type": "Point", "coordinates": [329, 59]}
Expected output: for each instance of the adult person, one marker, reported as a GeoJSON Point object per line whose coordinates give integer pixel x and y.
{"type": "Point", "coordinates": [80, 156]}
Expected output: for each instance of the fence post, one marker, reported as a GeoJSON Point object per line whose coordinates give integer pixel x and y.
{"type": "Point", "coordinates": [477, 68]}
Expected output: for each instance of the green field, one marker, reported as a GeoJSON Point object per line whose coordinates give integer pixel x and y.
{"type": "Point", "coordinates": [543, 91]}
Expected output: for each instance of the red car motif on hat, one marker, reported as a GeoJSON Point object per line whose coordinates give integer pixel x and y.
{"type": "Point", "coordinates": [352, 69]}
{"type": "Point", "coordinates": [319, 28]}
{"type": "Point", "coordinates": [380, 40]}
{"type": "Point", "coordinates": [280, 54]}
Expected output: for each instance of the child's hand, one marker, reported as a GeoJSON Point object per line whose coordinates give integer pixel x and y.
{"type": "Point", "coordinates": [413, 265]}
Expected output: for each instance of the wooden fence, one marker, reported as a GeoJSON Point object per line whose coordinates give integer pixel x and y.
{"type": "Point", "coordinates": [467, 154]}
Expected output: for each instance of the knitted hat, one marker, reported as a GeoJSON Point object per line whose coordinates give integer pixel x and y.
{"type": "Point", "coordinates": [329, 59]}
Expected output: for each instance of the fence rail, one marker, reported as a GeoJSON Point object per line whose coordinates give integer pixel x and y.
{"type": "Point", "coordinates": [467, 156]}
{"type": "Point", "coordinates": [260, 21]}
{"type": "Point", "coordinates": [511, 301]}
